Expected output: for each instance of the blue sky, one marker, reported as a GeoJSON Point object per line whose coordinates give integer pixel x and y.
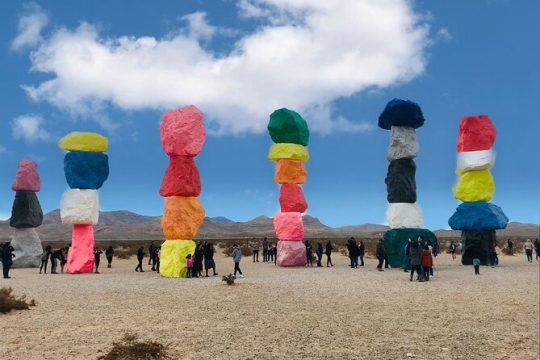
{"type": "Point", "coordinates": [115, 67]}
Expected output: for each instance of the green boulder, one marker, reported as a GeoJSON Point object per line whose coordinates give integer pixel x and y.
{"type": "Point", "coordinates": [287, 126]}
{"type": "Point", "coordinates": [396, 239]}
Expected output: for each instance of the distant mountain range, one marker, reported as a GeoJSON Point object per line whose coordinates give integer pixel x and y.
{"type": "Point", "coordinates": [126, 225]}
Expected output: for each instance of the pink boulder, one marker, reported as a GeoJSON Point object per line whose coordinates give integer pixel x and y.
{"type": "Point", "coordinates": [291, 253]}
{"type": "Point", "coordinates": [289, 226]}
{"type": "Point", "coordinates": [181, 178]}
{"type": "Point", "coordinates": [182, 131]}
{"type": "Point", "coordinates": [27, 178]}
{"type": "Point", "coordinates": [291, 198]}
{"type": "Point", "coordinates": [476, 133]}
{"type": "Point", "coordinates": [81, 253]}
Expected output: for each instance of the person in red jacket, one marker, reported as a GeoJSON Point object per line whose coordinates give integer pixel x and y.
{"type": "Point", "coordinates": [426, 261]}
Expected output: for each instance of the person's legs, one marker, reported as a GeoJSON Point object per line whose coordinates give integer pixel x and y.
{"type": "Point", "coordinates": [352, 261]}
{"type": "Point", "coordinates": [380, 264]}
{"type": "Point", "coordinates": [41, 267]}
{"type": "Point", "coordinates": [97, 267]}
{"type": "Point", "coordinates": [476, 270]}
{"type": "Point", "coordinates": [426, 273]}
{"type": "Point", "coordinates": [529, 255]}
{"type": "Point", "coordinates": [361, 260]}
{"type": "Point", "coordinates": [109, 261]}
{"type": "Point", "coordinates": [5, 270]}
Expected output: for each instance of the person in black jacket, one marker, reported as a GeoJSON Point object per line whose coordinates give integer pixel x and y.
{"type": "Point", "coordinates": [309, 253]}
{"type": "Point", "coordinates": [109, 253]}
{"type": "Point", "coordinates": [381, 254]}
{"type": "Point", "coordinates": [97, 259]}
{"type": "Point", "coordinates": [319, 253]}
{"type": "Point", "coordinates": [7, 259]}
{"type": "Point", "coordinates": [361, 252]}
{"type": "Point", "coordinates": [55, 257]}
{"type": "Point", "coordinates": [209, 263]}
{"type": "Point", "coordinates": [140, 257]}
{"type": "Point", "coordinates": [151, 248]}
{"type": "Point", "coordinates": [352, 248]}
{"type": "Point", "coordinates": [329, 249]}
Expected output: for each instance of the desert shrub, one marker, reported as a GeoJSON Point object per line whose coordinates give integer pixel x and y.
{"type": "Point", "coordinates": [221, 245]}
{"type": "Point", "coordinates": [130, 348]}
{"type": "Point", "coordinates": [245, 249]}
{"type": "Point", "coordinates": [123, 254]}
{"type": "Point", "coordinates": [9, 302]}
{"type": "Point", "coordinates": [229, 279]}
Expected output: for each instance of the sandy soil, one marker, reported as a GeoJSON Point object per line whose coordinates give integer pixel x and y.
{"type": "Point", "coordinates": [276, 313]}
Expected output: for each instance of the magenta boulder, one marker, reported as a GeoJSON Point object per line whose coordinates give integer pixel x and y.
{"type": "Point", "coordinates": [182, 131]}
{"type": "Point", "coordinates": [291, 253]}
{"type": "Point", "coordinates": [27, 178]}
{"type": "Point", "coordinates": [289, 226]}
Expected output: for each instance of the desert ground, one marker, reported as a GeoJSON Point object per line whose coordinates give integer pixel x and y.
{"type": "Point", "coordinates": [278, 313]}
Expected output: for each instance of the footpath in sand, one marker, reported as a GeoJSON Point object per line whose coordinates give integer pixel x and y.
{"type": "Point", "coordinates": [280, 313]}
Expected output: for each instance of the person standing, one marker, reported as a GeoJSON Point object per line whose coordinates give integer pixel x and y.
{"type": "Point", "coordinates": [140, 257]}
{"type": "Point", "coordinates": [510, 247]}
{"type": "Point", "coordinates": [453, 250]}
{"type": "Point", "coordinates": [361, 252]}
{"type": "Point", "coordinates": [309, 253]}
{"type": "Point", "coordinates": [63, 258]}
{"type": "Point", "coordinates": [352, 248]}
{"type": "Point", "coordinates": [492, 255]}
{"type": "Point", "coordinates": [55, 256]}
{"type": "Point", "coordinates": [319, 253]}
{"type": "Point", "coordinates": [537, 248]}
{"type": "Point", "coordinates": [209, 262]}
{"type": "Point", "coordinates": [476, 264]}
{"type": "Point", "coordinates": [237, 256]}
{"type": "Point", "coordinates": [328, 251]}
{"type": "Point", "coordinates": [416, 262]}
{"type": "Point", "coordinates": [265, 249]}
{"type": "Point", "coordinates": [97, 259]}
{"type": "Point", "coordinates": [151, 248]}
{"type": "Point", "coordinates": [407, 257]}
{"type": "Point", "coordinates": [426, 260]}
{"type": "Point", "coordinates": [7, 259]}
{"type": "Point", "coordinates": [158, 258]}
{"type": "Point", "coordinates": [189, 266]}
{"type": "Point", "coordinates": [255, 248]}
{"type": "Point", "coordinates": [109, 253]}
{"type": "Point", "coordinates": [155, 259]}
{"type": "Point", "coordinates": [528, 246]}
{"type": "Point", "coordinates": [199, 259]}
{"type": "Point", "coordinates": [270, 253]}
{"type": "Point", "coordinates": [380, 253]}
{"type": "Point", "coordinates": [45, 259]}
{"type": "Point", "coordinates": [274, 254]}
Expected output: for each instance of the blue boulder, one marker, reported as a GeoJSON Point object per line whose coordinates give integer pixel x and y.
{"type": "Point", "coordinates": [86, 170]}
{"type": "Point", "coordinates": [478, 216]}
{"type": "Point", "coordinates": [401, 113]}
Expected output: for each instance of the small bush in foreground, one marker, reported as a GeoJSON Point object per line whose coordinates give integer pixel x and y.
{"type": "Point", "coordinates": [229, 279]}
{"type": "Point", "coordinates": [9, 302]}
{"type": "Point", "coordinates": [129, 348]}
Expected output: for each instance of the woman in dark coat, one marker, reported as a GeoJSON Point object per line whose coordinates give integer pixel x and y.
{"type": "Point", "coordinates": [329, 249]}
{"type": "Point", "coordinates": [198, 261]}
{"type": "Point", "coordinates": [319, 253]}
{"type": "Point", "coordinates": [416, 252]}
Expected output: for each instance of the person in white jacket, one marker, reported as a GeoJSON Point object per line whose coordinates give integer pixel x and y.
{"type": "Point", "coordinates": [237, 256]}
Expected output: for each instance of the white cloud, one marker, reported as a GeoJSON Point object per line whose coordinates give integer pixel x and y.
{"type": "Point", "coordinates": [305, 55]}
{"type": "Point", "coordinates": [443, 34]}
{"type": "Point", "coordinates": [29, 128]}
{"type": "Point", "coordinates": [29, 28]}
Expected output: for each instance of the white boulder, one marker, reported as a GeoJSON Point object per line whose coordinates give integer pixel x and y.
{"type": "Point", "coordinates": [79, 207]}
{"type": "Point", "coordinates": [404, 215]}
{"type": "Point", "coordinates": [403, 143]}
{"type": "Point", "coordinates": [27, 248]}
{"type": "Point", "coordinates": [475, 160]}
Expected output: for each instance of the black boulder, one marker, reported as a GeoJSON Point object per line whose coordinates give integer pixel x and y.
{"type": "Point", "coordinates": [26, 211]}
{"type": "Point", "coordinates": [400, 181]}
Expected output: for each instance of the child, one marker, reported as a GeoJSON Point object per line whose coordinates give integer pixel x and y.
{"type": "Point", "coordinates": [426, 261]}
{"type": "Point", "coordinates": [189, 264]}
{"type": "Point", "coordinates": [476, 263]}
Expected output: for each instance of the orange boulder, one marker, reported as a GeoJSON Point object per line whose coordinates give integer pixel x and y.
{"type": "Point", "coordinates": [182, 217]}
{"type": "Point", "coordinates": [290, 172]}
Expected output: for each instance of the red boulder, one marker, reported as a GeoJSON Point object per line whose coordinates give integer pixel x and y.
{"type": "Point", "coordinates": [27, 178]}
{"type": "Point", "coordinates": [476, 133]}
{"type": "Point", "coordinates": [182, 131]}
{"type": "Point", "coordinates": [181, 178]}
{"type": "Point", "coordinates": [291, 198]}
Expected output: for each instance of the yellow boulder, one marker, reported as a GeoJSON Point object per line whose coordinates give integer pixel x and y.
{"type": "Point", "coordinates": [84, 141]}
{"type": "Point", "coordinates": [172, 262]}
{"type": "Point", "coordinates": [474, 186]}
{"type": "Point", "coordinates": [288, 151]}
{"type": "Point", "coordinates": [182, 217]}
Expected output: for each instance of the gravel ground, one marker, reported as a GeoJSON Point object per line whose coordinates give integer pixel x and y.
{"type": "Point", "coordinates": [276, 313]}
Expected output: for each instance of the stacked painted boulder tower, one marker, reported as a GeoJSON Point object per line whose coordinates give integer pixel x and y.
{"type": "Point", "coordinates": [182, 137]}
{"type": "Point", "coordinates": [404, 215]}
{"type": "Point", "coordinates": [26, 215]}
{"type": "Point", "coordinates": [86, 167]}
{"type": "Point", "coordinates": [290, 134]}
{"type": "Point", "coordinates": [476, 217]}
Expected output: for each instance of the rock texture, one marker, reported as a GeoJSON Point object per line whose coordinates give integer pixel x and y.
{"type": "Point", "coordinates": [291, 198]}
{"type": "Point", "coordinates": [291, 253]}
{"type": "Point", "coordinates": [182, 131]}
{"type": "Point", "coordinates": [396, 239]}
{"type": "Point", "coordinates": [478, 216]}
{"type": "Point", "coordinates": [173, 257]}
{"type": "Point", "coordinates": [404, 215]}
{"type": "Point", "coordinates": [401, 113]}
{"type": "Point", "coordinates": [27, 247]}
{"type": "Point", "coordinates": [400, 181]}
{"type": "Point", "coordinates": [27, 178]}
{"type": "Point", "coordinates": [290, 172]}
{"type": "Point", "coordinates": [476, 245]}
{"type": "Point", "coordinates": [289, 226]}
{"type": "Point", "coordinates": [26, 211]}
{"type": "Point", "coordinates": [288, 151]}
{"type": "Point", "coordinates": [84, 141]}
{"type": "Point", "coordinates": [403, 143]}
{"type": "Point", "coordinates": [86, 170]}
{"type": "Point", "coordinates": [182, 217]}
{"type": "Point", "coordinates": [287, 126]}
{"type": "Point", "coordinates": [181, 178]}
{"type": "Point", "coordinates": [79, 207]}
{"type": "Point", "coordinates": [474, 160]}
{"type": "Point", "coordinates": [476, 133]}
{"type": "Point", "coordinates": [81, 253]}
{"type": "Point", "coordinates": [474, 186]}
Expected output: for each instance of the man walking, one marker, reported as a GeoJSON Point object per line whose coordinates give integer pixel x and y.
{"type": "Point", "coordinates": [140, 257]}
{"type": "Point", "coordinates": [237, 256]}
{"type": "Point", "coordinates": [381, 254]}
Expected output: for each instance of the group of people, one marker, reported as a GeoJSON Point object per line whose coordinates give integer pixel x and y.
{"type": "Point", "coordinates": [154, 253]}
{"type": "Point", "coordinates": [529, 246]}
{"type": "Point", "coordinates": [419, 257]}
{"type": "Point", "coordinates": [269, 250]}
{"type": "Point", "coordinates": [54, 257]}
{"type": "Point", "coordinates": [203, 254]}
